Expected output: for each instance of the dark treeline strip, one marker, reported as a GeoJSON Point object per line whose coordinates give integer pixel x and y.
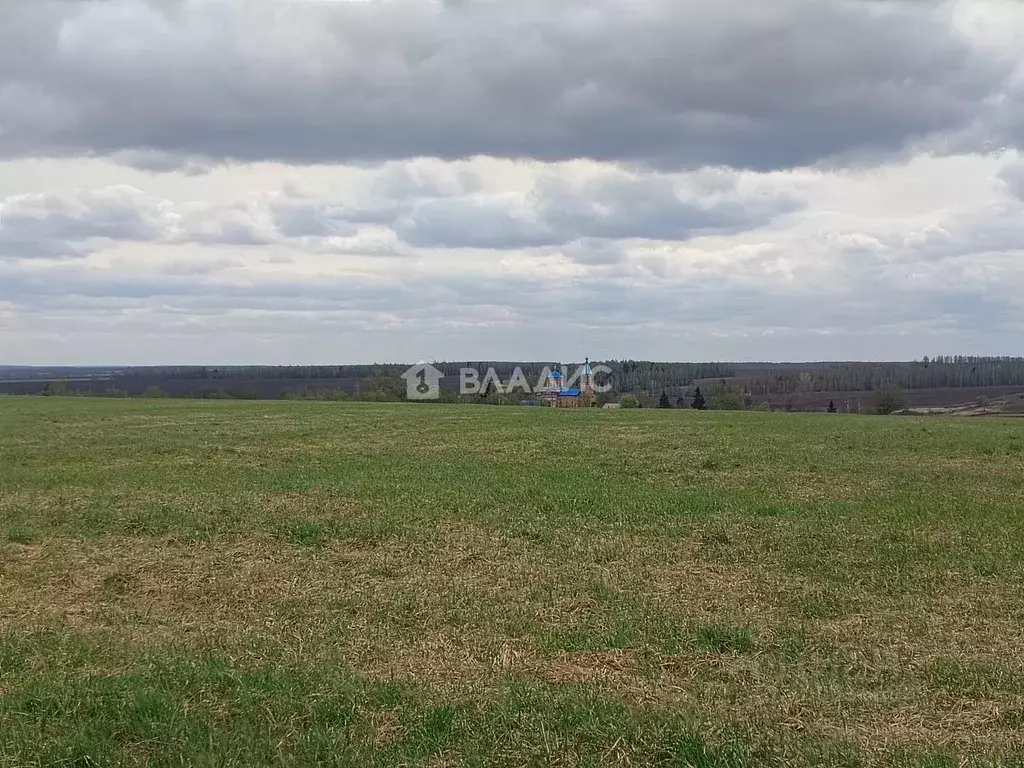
{"type": "Point", "coordinates": [629, 375]}
{"type": "Point", "coordinates": [723, 382]}
{"type": "Point", "coordinates": [926, 373]}
{"type": "Point", "coordinates": [271, 372]}
{"type": "Point", "coordinates": [626, 375]}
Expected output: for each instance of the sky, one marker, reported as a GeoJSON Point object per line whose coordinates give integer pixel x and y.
{"type": "Point", "coordinates": [354, 181]}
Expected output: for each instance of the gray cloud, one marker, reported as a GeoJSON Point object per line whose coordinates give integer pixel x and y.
{"type": "Point", "coordinates": [164, 162]}
{"type": "Point", "coordinates": [612, 206]}
{"type": "Point", "coordinates": [867, 302]}
{"type": "Point", "coordinates": [672, 83]}
{"type": "Point", "coordinates": [55, 226]}
{"type": "Point", "coordinates": [80, 223]}
{"type": "Point", "coordinates": [238, 224]}
{"type": "Point", "coordinates": [592, 252]}
{"type": "Point", "coordinates": [1013, 177]}
{"type": "Point", "coordinates": [969, 235]}
{"type": "Point", "coordinates": [709, 302]}
{"type": "Point", "coordinates": [651, 207]}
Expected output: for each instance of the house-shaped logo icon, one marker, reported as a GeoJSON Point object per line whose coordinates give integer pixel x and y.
{"type": "Point", "coordinates": [423, 382]}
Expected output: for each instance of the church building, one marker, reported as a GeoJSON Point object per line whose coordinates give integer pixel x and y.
{"type": "Point", "coordinates": [555, 394]}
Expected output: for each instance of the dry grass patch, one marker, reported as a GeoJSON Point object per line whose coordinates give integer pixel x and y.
{"type": "Point", "coordinates": [461, 612]}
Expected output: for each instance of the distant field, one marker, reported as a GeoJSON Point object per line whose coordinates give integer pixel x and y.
{"type": "Point", "coordinates": [298, 583]}
{"type": "Point", "coordinates": [916, 398]}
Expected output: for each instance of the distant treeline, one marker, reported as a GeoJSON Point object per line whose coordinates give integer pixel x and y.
{"type": "Point", "coordinates": [726, 385]}
{"type": "Point", "coordinates": [272, 372]}
{"type": "Point", "coordinates": [927, 373]}
{"type": "Point", "coordinates": [627, 375]}
{"type": "Point", "coordinates": [640, 376]}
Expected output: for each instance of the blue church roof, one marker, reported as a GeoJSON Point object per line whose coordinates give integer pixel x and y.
{"type": "Point", "coordinates": [556, 375]}
{"type": "Point", "coordinates": [569, 393]}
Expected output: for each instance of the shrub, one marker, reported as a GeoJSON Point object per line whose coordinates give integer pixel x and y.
{"type": "Point", "coordinates": [890, 400]}
{"type": "Point", "coordinates": [56, 389]}
{"type": "Point", "coordinates": [728, 399]}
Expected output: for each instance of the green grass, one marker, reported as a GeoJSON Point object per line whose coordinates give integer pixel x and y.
{"type": "Point", "coordinates": [299, 583]}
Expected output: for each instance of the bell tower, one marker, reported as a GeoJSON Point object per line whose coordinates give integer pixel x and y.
{"type": "Point", "coordinates": [587, 378]}
{"type": "Point", "coordinates": [588, 393]}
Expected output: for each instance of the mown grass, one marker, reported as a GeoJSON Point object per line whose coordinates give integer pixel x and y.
{"type": "Point", "coordinates": [226, 583]}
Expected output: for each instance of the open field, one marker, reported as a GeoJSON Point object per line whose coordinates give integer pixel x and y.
{"type": "Point", "coordinates": [294, 583]}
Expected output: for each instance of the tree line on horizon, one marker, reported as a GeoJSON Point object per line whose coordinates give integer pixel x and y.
{"type": "Point", "coordinates": [651, 377]}
{"type": "Point", "coordinates": [722, 388]}
{"type": "Point", "coordinates": [927, 373]}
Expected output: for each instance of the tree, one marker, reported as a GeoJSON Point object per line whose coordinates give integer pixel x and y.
{"type": "Point", "coordinates": [890, 400]}
{"type": "Point", "coordinates": [680, 402]}
{"type": "Point", "coordinates": [699, 402]}
{"type": "Point", "coordinates": [629, 401]}
{"type": "Point", "coordinates": [724, 398]}
{"type": "Point", "coordinates": [57, 388]}
{"type": "Point", "coordinates": [664, 402]}
{"type": "Point", "coordinates": [832, 407]}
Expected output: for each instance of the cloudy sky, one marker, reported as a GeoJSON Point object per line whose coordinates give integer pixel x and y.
{"type": "Point", "coordinates": [329, 181]}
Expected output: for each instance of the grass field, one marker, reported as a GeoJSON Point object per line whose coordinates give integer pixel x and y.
{"type": "Point", "coordinates": [299, 583]}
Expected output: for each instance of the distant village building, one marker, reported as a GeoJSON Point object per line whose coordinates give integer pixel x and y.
{"type": "Point", "coordinates": [556, 395]}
